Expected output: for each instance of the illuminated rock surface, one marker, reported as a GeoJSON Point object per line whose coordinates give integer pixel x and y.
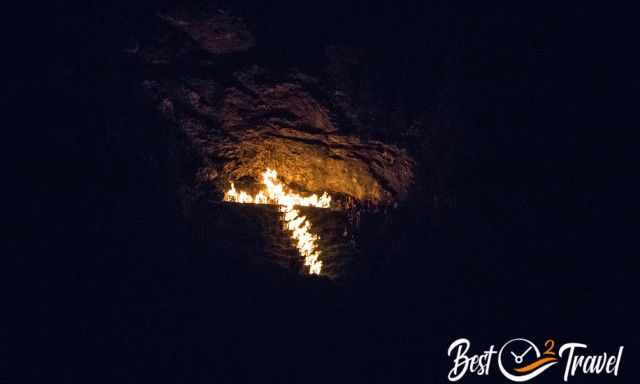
{"type": "Point", "coordinates": [234, 118]}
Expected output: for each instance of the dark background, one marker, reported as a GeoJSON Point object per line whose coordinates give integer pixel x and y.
{"type": "Point", "coordinates": [520, 223]}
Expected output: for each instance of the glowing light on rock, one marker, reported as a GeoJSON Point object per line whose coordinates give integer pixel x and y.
{"type": "Point", "coordinates": [298, 225]}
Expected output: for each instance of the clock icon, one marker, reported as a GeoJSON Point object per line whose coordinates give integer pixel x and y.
{"type": "Point", "coordinates": [517, 352]}
{"type": "Point", "coordinates": [520, 360]}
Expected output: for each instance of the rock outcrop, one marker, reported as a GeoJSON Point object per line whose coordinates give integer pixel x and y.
{"type": "Point", "coordinates": [237, 120]}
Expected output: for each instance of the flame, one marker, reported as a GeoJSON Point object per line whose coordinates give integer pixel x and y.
{"type": "Point", "coordinates": [298, 225]}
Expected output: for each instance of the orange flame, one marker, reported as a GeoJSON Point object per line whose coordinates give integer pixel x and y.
{"type": "Point", "coordinates": [298, 225]}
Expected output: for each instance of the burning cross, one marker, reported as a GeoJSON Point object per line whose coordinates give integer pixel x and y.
{"type": "Point", "coordinates": [298, 225]}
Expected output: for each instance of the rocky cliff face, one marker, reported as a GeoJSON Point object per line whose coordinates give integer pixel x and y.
{"type": "Point", "coordinates": [236, 116]}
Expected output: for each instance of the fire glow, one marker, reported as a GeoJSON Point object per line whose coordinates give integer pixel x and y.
{"type": "Point", "coordinates": [298, 225]}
